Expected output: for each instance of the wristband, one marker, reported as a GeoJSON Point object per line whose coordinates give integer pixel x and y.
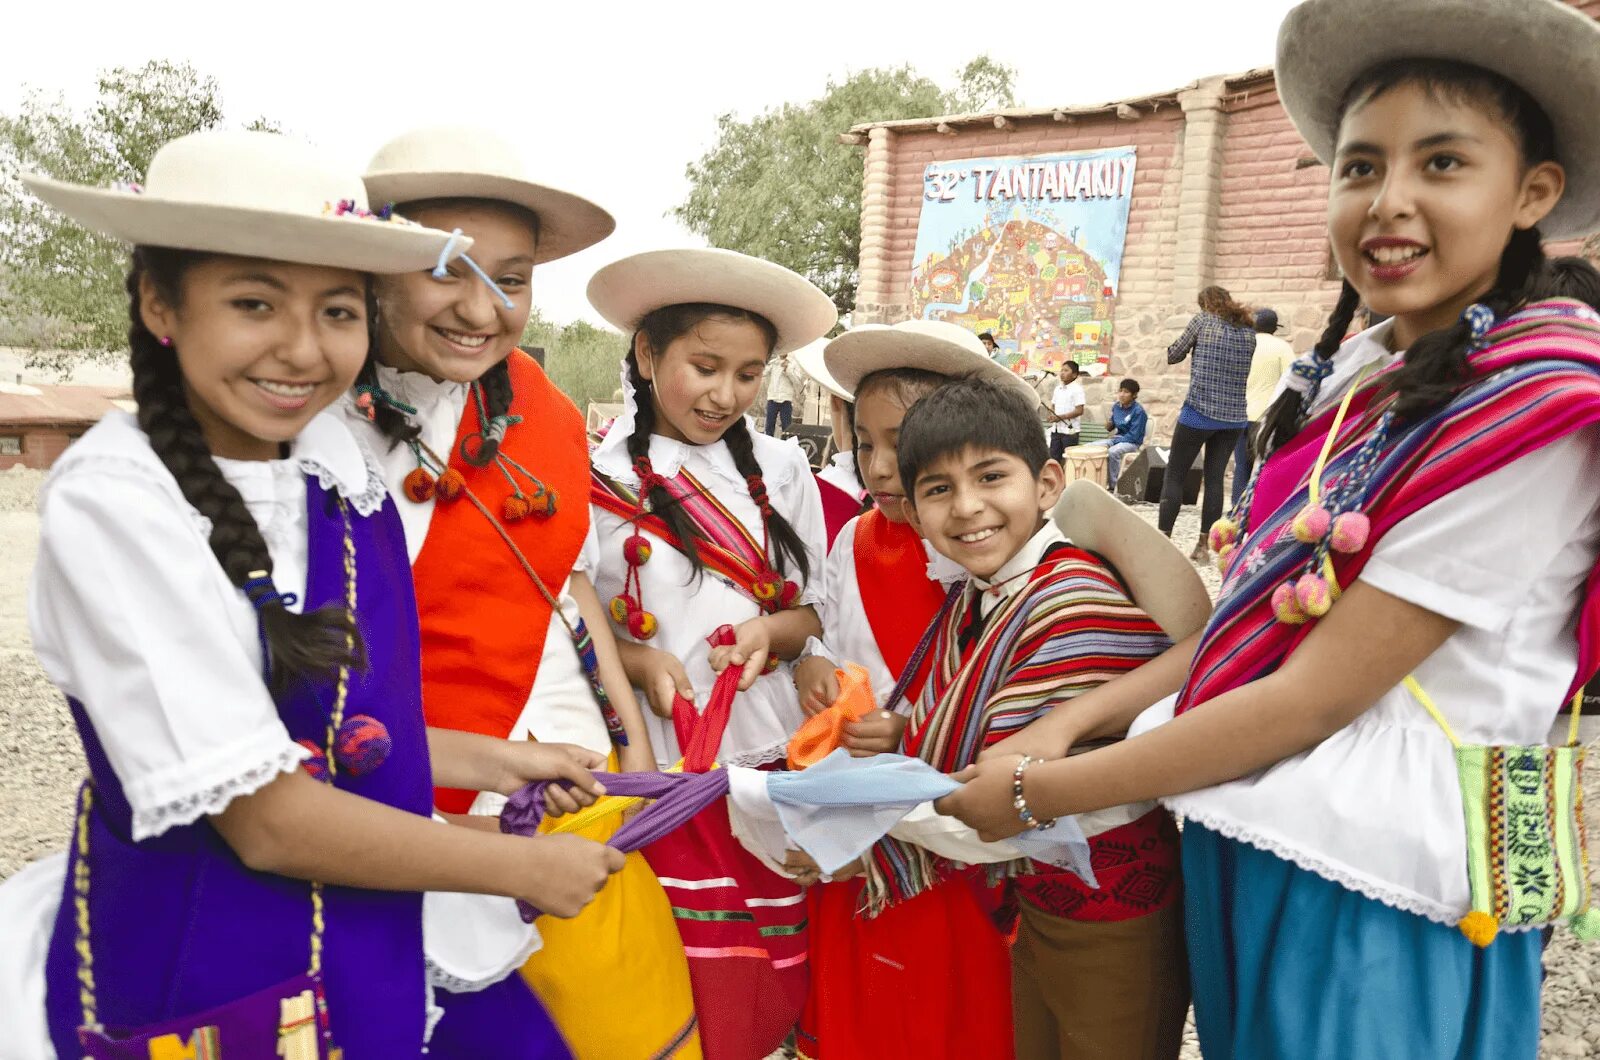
{"type": "Point", "coordinates": [1020, 801]}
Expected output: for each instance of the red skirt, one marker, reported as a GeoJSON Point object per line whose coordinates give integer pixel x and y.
{"type": "Point", "coordinates": [929, 978]}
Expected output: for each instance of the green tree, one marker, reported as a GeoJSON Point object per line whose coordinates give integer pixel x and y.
{"type": "Point", "coordinates": [581, 359]}
{"type": "Point", "coordinates": [780, 185]}
{"type": "Point", "coordinates": [64, 285]}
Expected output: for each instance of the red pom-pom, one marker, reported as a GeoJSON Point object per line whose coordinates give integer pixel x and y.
{"type": "Point", "coordinates": [642, 625]}
{"type": "Point", "coordinates": [514, 508]}
{"type": "Point", "coordinates": [419, 485]}
{"type": "Point", "coordinates": [771, 665]}
{"type": "Point", "coordinates": [363, 744]}
{"type": "Point", "coordinates": [317, 764]}
{"type": "Point", "coordinates": [636, 550]}
{"type": "Point", "coordinates": [622, 605]}
{"type": "Point", "coordinates": [449, 484]}
{"type": "Point", "coordinates": [791, 593]}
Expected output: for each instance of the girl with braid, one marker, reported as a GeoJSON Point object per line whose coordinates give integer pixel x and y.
{"type": "Point", "coordinates": [222, 593]}
{"type": "Point", "coordinates": [489, 466]}
{"type": "Point", "coordinates": [700, 523]}
{"type": "Point", "coordinates": [1342, 894]}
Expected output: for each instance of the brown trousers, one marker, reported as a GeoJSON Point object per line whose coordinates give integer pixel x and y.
{"type": "Point", "coordinates": [1084, 990]}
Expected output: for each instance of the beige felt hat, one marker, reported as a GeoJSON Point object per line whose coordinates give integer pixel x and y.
{"type": "Point", "coordinates": [253, 195]}
{"type": "Point", "coordinates": [809, 358]}
{"type": "Point", "coordinates": [625, 291]}
{"type": "Point", "coordinates": [932, 345]}
{"type": "Point", "coordinates": [1546, 48]}
{"type": "Point", "coordinates": [447, 162]}
{"type": "Point", "coordinates": [1162, 580]}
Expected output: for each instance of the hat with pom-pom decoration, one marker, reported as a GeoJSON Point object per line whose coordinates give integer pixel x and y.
{"type": "Point", "coordinates": [362, 745]}
{"type": "Point", "coordinates": [419, 485]}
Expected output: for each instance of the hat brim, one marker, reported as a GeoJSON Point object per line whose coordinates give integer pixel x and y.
{"type": "Point", "coordinates": [1162, 580]}
{"type": "Point", "coordinates": [854, 355]}
{"type": "Point", "coordinates": [625, 291]}
{"type": "Point", "coordinates": [809, 358]}
{"type": "Point", "coordinates": [1549, 50]}
{"type": "Point", "coordinates": [366, 245]}
{"type": "Point", "coordinates": [567, 223]}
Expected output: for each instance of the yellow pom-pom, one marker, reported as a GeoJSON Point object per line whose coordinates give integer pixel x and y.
{"type": "Point", "coordinates": [1586, 925]}
{"type": "Point", "coordinates": [1480, 928]}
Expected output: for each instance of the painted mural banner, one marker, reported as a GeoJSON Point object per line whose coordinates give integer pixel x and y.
{"type": "Point", "coordinates": [1029, 248]}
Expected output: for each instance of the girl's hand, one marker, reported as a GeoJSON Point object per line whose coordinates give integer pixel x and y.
{"type": "Point", "coordinates": [877, 733]}
{"type": "Point", "coordinates": [1046, 738]}
{"type": "Point", "coordinates": [663, 677]}
{"type": "Point", "coordinates": [529, 761]}
{"type": "Point", "coordinates": [983, 802]}
{"type": "Point", "coordinates": [816, 679]}
{"type": "Point", "coordinates": [563, 873]}
{"type": "Point", "coordinates": [750, 648]}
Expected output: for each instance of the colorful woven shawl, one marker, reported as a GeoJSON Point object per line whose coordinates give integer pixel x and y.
{"type": "Point", "coordinates": [1071, 628]}
{"type": "Point", "coordinates": [1536, 381]}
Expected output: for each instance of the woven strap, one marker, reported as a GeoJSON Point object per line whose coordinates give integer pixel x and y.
{"type": "Point", "coordinates": [912, 667]}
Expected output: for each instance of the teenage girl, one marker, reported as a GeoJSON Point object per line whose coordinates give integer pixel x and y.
{"type": "Point", "coordinates": [699, 522]}
{"type": "Point", "coordinates": [1326, 852]}
{"type": "Point", "coordinates": [222, 594]}
{"type": "Point", "coordinates": [470, 432]}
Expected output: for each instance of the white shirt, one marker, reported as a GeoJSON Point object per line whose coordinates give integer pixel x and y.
{"type": "Point", "coordinates": [1376, 806]}
{"type": "Point", "coordinates": [784, 379]}
{"type": "Point", "coordinates": [1065, 398]}
{"type": "Point", "coordinates": [688, 608]}
{"type": "Point", "coordinates": [561, 707]}
{"type": "Point", "coordinates": [841, 472]}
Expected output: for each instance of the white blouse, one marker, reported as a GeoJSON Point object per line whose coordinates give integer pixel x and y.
{"type": "Point", "coordinates": [1376, 806]}
{"type": "Point", "coordinates": [133, 616]}
{"type": "Point", "coordinates": [561, 707]}
{"type": "Point", "coordinates": [690, 608]}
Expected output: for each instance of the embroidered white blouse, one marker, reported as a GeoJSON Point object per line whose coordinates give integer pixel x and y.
{"type": "Point", "coordinates": [561, 707]}
{"type": "Point", "coordinates": [690, 608]}
{"type": "Point", "coordinates": [1376, 806]}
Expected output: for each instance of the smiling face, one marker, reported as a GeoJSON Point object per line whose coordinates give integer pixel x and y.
{"type": "Point", "coordinates": [705, 378]}
{"type": "Point", "coordinates": [979, 507]}
{"type": "Point", "coordinates": [263, 346]}
{"type": "Point", "coordinates": [1426, 190]}
{"type": "Point", "coordinates": [454, 328]}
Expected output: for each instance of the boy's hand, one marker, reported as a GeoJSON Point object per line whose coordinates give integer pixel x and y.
{"type": "Point", "coordinates": [983, 801]}
{"type": "Point", "coordinates": [663, 677]}
{"type": "Point", "coordinates": [877, 733]}
{"type": "Point", "coordinates": [817, 681]}
{"type": "Point", "coordinates": [750, 648]}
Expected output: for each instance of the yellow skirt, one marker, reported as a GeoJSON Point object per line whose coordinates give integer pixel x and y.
{"type": "Point", "coordinates": [614, 978]}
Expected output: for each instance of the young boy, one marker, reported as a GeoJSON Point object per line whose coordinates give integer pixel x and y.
{"type": "Point", "coordinates": [1126, 424]}
{"type": "Point", "coordinates": [1096, 972]}
{"type": "Point", "coordinates": [1066, 410]}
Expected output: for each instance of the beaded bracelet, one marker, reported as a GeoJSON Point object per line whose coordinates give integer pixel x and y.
{"type": "Point", "coordinates": [1020, 801]}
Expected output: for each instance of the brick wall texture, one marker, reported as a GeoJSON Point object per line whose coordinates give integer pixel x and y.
{"type": "Point", "coordinates": [1260, 230]}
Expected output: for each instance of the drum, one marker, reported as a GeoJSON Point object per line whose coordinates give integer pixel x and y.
{"type": "Point", "coordinates": [1085, 461]}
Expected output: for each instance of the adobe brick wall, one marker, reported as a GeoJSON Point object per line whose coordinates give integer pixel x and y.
{"type": "Point", "coordinates": [41, 446]}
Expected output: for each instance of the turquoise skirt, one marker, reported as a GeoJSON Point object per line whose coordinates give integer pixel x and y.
{"type": "Point", "coordinates": [1287, 964]}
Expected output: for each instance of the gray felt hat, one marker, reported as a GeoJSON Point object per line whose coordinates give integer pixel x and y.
{"type": "Point", "coordinates": [1549, 50]}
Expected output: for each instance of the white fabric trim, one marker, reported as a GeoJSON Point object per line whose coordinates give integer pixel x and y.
{"type": "Point", "coordinates": [150, 819]}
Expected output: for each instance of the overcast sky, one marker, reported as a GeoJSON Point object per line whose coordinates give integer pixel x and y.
{"type": "Point", "coordinates": [613, 100]}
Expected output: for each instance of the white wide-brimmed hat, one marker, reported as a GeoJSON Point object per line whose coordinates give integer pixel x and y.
{"type": "Point", "coordinates": [931, 345]}
{"type": "Point", "coordinates": [1544, 47]}
{"type": "Point", "coordinates": [251, 195]}
{"type": "Point", "coordinates": [809, 358]}
{"type": "Point", "coordinates": [625, 291]}
{"type": "Point", "coordinates": [450, 162]}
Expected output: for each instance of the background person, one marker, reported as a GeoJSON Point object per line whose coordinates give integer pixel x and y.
{"type": "Point", "coordinates": [1127, 423]}
{"type": "Point", "coordinates": [1066, 410]}
{"type": "Point", "coordinates": [784, 380]}
{"type": "Point", "coordinates": [1272, 359]}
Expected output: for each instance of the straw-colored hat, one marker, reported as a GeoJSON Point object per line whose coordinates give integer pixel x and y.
{"type": "Point", "coordinates": [932, 345]}
{"type": "Point", "coordinates": [625, 291]}
{"type": "Point", "coordinates": [1546, 48]}
{"type": "Point", "coordinates": [252, 195]}
{"type": "Point", "coordinates": [448, 162]}
{"type": "Point", "coordinates": [809, 358]}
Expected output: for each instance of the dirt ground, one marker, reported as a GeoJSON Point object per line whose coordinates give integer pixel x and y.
{"type": "Point", "coordinates": [44, 765]}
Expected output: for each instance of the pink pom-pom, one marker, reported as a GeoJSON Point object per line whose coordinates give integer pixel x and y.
{"type": "Point", "coordinates": [1286, 607]}
{"type": "Point", "coordinates": [1225, 556]}
{"type": "Point", "coordinates": [1350, 532]}
{"type": "Point", "coordinates": [1224, 532]}
{"type": "Point", "coordinates": [1312, 524]}
{"type": "Point", "coordinates": [363, 744]}
{"type": "Point", "coordinates": [1311, 592]}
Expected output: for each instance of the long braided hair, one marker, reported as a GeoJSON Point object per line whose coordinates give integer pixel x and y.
{"type": "Point", "coordinates": [298, 645]}
{"type": "Point", "coordinates": [1435, 367]}
{"type": "Point", "coordinates": [660, 329]}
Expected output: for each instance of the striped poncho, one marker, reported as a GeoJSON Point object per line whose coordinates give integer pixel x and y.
{"type": "Point", "coordinates": [1071, 628]}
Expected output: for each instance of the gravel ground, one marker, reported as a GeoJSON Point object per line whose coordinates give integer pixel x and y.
{"type": "Point", "coordinates": [44, 765]}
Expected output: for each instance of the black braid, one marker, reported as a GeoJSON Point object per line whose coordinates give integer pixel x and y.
{"type": "Point", "coordinates": [300, 645]}
{"type": "Point", "coordinates": [391, 422]}
{"type": "Point", "coordinates": [1435, 367]}
{"type": "Point", "coordinates": [1286, 416]}
{"type": "Point", "coordinates": [663, 505]}
{"type": "Point", "coordinates": [787, 546]}
{"type": "Point", "coordinates": [495, 385]}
